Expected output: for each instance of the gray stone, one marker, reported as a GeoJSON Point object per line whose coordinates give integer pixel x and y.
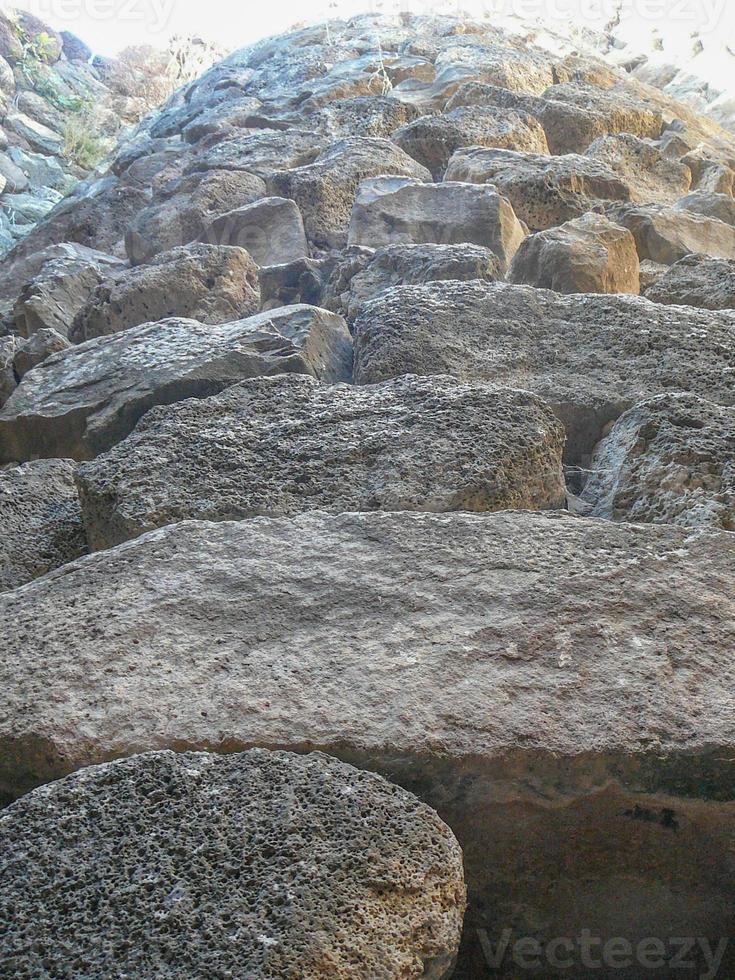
{"type": "Point", "coordinates": [535, 677]}
{"type": "Point", "coordinates": [325, 190]}
{"type": "Point", "coordinates": [208, 283]}
{"type": "Point", "coordinates": [544, 190]}
{"type": "Point", "coordinates": [56, 284]}
{"type": "Point", "coordinates": [668, 460]}
{"type": "Point", "coordinates": [15, 180]}
{"type": "Point", "coordinates": [41, 520]}
{"type": "Point", "coordinates": [665, 235]}
{"type": "Point", "coordinates": [398, 210]}
{"type": "Point", "coordinates": [376, 116]}
{"type": "Point", "coordinates": [650, 175]}
{"type": "Point", "coordinates": [316, 862]}
{"type": "Point", "coordinates": [262, 153]}
{"type": "Point", "coordinates": [185, 208]}
{"type": "Point", "coordinates": [272, 231]}
{"type": "Point", "coordinates": [8, 378]}
{"type": "Point", "coordinates": [697, 280]}
{"type": "Point", "coordinates": [40, 345]}
{"type": "Point", "coordinates": [402, 265]}
{"type": "Point", "coordinates": [84, 400]}
{"type": "Point", "coordinates": [588, 255]}
{"type": "Point", "coordinates": [301, 281]}
{"type": "Point", "coordinates": [590, 357]}
{"type": "Point", "coordinates": [433, 139]}
{"type": "Point", "coordinates": [720, 206]}
{"type": "Point", "coordinates": [39, 168]}
{"type": "Point", "coordinates": [279, 446]}
{"type": "Point", "coordinates": [39, 137]}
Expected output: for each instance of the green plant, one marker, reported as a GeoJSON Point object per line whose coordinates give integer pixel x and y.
{"type": "Point", "coordinates": [81, 146]}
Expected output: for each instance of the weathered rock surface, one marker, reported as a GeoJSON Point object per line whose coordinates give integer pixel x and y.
{"type": "Point", "coordinates": [33, 351]}
{"type": "Point", "coordinates": [60, 281]}
{"type": "Point", "coordinates": [665, 235]}
{"type": "Point", "coordinates": [271, 230]}
{"type": "Point", "coordinates": [325, 190]}
{"type": "Point", "coordinates": [279, 446]}
{"type": "Point", "coordinates": [185, 207]}
{"type": "Point", "coordinates": [590, 357]}
{"type": "Point", "coordinates": [697, 280]}
{"type": "Point", "coordinates": [588, 255]}
{"type": "Point", "coordinates": [669, 460]}
{"type": "Point", "coordinates": [316, 862]}
{"type": "Point", "coordinates": [41, 520]}
{"type": "Point", "coordinates": [398, 210]}
{"type": "Point", "coordinates": [531, 676]}
{"type": "Point", "coordinates": [209, 283]}
{"type": "Point", "coordinates": [544, 190]}
{"type": "Point", "coordinates": [649, 174]}
{"type": "Point", "coordinates": [82, 401]}
{"type": "Point", "coordinates": [373, 115]}
{"type": "Point", "coordinates": [406, 265]}
{"type": "Point", "coordinates": [720, 206]}
{"type": "Point", "coordinates": [431, 140]}
{"type": "Point", "coordinates": [8, 378]}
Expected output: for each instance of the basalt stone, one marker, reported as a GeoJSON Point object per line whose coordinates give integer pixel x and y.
{"type": "Point", "coordinates": [590, 357]}
{"type": "Point", "coordinates": [396, 210]}
{"type": "Point", "coordinates": [668, 460]}
{"type": "Point", "coordinates": [280, 446]}
{"type": "Point", "coordinates": [589, 255]}
{"type": "Point", "coordinates": [41, 520]}
{"type": "Point", "coordinates": [271, 230]}
{"type": "Point", "coordinates": [84, 400]}
{"type": "Point", "coordinates": [325, 190]}
{"type": "Point", "coordinates": [544, 190]}
{"type": "Point", "coordinates": [650, 175]}
{"type": "Point", "coordinates": [33, 351]}
{"type": "Point", "coordinates": [545, 682]}
{"type": "Point", "coordinates": [697, 280]}
{"type": "Point", "coordinates": [209, 283]}
{"type": "Point", "coordinates": [432, 140]}
{"type": "Point", "coordinates": [214, 840]}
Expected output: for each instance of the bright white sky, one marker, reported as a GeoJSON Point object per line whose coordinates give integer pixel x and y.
{"type": "Point", "coordinates": [109, 25]}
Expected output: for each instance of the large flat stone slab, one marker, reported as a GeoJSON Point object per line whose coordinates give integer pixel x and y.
{"type": "Point", "coordinates": [281, 446]}
{"type": "Point", "coordinates": [559, 689]}
{"type": "Point", "coordinates": [314, 860]}
{"type": "Point", "coordinates": [82, 401]}
{"type": "Point", "coordinates": [591, 357]}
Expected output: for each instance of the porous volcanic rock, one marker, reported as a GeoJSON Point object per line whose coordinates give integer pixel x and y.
{"type": "Point", "coordinates": [544, 190]}
{"type": "Point", "coordinates": [271, 230]}
{"type": "Point", "coordinates": [650, 175]}
{"type": "Point", "coordinates": [433, 139]}
{"type": "Point", "coordinates": [665, 235]}
{"type": "Point", "coordinates": [697, 280]}
{"type": "Point", "coordinates": [668, 460]}
{"type": "Point", "coordinates": [36, 348]}
{"type": "Point", "coordinates": [590, 357]}
{"type": "Point", "coordinates": [326, 189]}
{"type": "Point", "coordinates": [280, 446]}
{"type": "Point", "coordinates": [8, 379]}
{"type": "Point", "coordinates": [316, 862]}
{"type": "Point", "coordinates": [41, 520]}
{"type": "Point", "coordinates": [82, 401]}
{"type": "Point", "coordinates": [402, 265]}
{"type": "Point", "coordinates": [720, 206]}
{"type": "Point", "coordinates": [532, 676]}
{"type": "Point", "coordinates": [209, 283]}
{"type": "Point", "coordinates": [397, 210]}
{"type": "Point", "coordinates": [588, 255]}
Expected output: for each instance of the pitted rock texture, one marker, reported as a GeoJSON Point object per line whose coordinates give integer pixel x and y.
{"type": "Point", "coordinates": [588, 255]}
{"type": "Point", "coordinates": [544, 190]}
{"type": "Point", "coordinates": [280, 446]}
{"type": "Point", "coordinates": [259, 864]}
{"type": "Point", "coordinates": [697, 280]}
{"type": "Point", "coordinates": [84, 400]}
{"type": "Point", "coordinates": [270, 230]}
{"type": "Point", "coordinates": [650, 175]}
{"type": "Point", "coordinates": [669, 460]}
{"type": "Point", "coordinates": [326, 189]}
{"type": "Point", "coordinates": [394, 210]}
{"type": "Point", "coordinates": [590, 357]}
{"type": "Point", "coordinates": [401, 265]}
{"type": "Point", "coordinates": [41, 520]}
{"type": "Point", "coordinates": [466, 657]}
{"type": "Point", "coordinates": [720, 206]}
{"type": "Point", "coordinates": [36, 348]}
{"type": "Point", "coordinates": [665, 235]}
{"type": "Point", "coordinates": [209, 283]}
{"type": "Point", "coordinates": [431, 140]}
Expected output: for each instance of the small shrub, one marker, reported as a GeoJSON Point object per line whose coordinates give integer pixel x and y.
{"type": "Point", "coordinates": [81, 146]}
